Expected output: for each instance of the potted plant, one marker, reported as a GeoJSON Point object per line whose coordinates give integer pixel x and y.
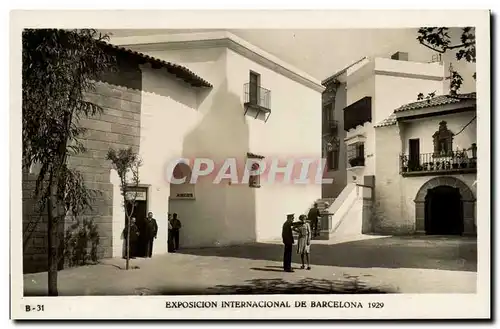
{"type": "Point", "coordinates": [462, 158]}
{"type": "Point", "coordinates": [431, 165]}
{"type": "Point", "coordinates": [438, 165]}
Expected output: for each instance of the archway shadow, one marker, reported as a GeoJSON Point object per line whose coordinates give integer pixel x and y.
{"type": "Point", "coordinates": [418, 252]}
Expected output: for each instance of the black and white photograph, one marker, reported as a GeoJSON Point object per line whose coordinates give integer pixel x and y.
{"type": "Point", "coordinates": [323, 172]}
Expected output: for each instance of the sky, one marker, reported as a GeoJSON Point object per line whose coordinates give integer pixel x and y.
{"type": "Point", "coordinates": [321, 53]}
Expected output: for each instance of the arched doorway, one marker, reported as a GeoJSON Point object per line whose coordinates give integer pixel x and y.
{"type": "Point", "coordinates": [445, 205]}
{"type": "Point", "coordinates": [443, 211]}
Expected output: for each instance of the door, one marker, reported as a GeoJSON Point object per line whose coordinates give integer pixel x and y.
{"type": "Point", "coordinates": [443, 211]}
{"type": "Point", "coordinates": [140, 214]}
{"type": "Point", "coordinates": [254, 87]}
{"type": "Point", "coordinates": [414, 154]}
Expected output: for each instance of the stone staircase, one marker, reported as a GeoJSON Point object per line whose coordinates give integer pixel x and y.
{"type": "Point", "coordinates": [323, 205]}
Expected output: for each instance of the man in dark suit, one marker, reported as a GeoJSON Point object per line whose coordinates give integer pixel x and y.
{"type": "Point", "coordinates": [176, 226]}
{"type": "Point", "coordinates": [287, 235]}
{"type": "Point", "coordinates": [151, 229]}
{"type": "Point", "coordinates": [313, 216]}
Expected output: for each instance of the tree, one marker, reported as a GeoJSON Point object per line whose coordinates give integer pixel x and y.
{"type": "Point", "coordinates": [58, 68]}
{"type": "Point", "coordinates": [439, 40]}
{"type": "Point", "coordinates": [127, 163]}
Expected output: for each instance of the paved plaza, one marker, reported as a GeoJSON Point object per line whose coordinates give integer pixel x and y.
{"type": "Point", "coordinates": [364, 264]}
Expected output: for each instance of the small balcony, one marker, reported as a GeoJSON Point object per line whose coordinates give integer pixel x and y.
{"type": "Point", "coordinates": [431, 164]}
{"type": "Point", "coordinates": [356, 162]}
{"type": "Point", "coordinates": [356, 155]}
{"type": "Point", "coordinates": [258, 100]}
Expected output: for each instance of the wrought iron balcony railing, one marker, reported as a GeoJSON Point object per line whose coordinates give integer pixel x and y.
{"type": "Point", "coordinates": [257, 96]}
{"type": "Point", "coordinates": [430, 162]}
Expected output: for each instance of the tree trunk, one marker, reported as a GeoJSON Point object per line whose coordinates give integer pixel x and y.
{"type": "Point", "coordinates": [128, 244]}
{"type": "Point", "coordinates": [52, 243]}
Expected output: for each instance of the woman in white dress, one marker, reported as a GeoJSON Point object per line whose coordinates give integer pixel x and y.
{"type": "Point", "coordinates": [304, 241]}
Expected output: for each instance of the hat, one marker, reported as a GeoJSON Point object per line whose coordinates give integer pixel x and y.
{"type": "Point", "coordinates": [290, 215]}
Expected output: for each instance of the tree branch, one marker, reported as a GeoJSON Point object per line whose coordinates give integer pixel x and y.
{"type": "Point", "coordinates": [445, 48]}
{"type": "Point", "coordinates": [432, 48]}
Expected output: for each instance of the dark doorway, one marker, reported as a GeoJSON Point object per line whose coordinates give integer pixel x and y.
{"type": "Point", "coordinates": [444, 211]}
{"type": "Point", "coordinates": [254, 87]}
{"type": "Point", "coordinates": [414, 154]}
{"type": "Point", "coordinates": [140, 214]}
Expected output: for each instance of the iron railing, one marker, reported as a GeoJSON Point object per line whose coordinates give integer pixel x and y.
{"type": "Point", "coordinates": [357, 161]}
{"type": "Point", "coordinates": [430, 162]}
{"type": "Point", "coordinates": [257, 96]}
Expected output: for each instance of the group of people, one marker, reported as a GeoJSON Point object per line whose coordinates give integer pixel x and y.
{"type": "Point", "coordinates": [305, 235]}
{"type": "Point", "coordinates": [140, 239]}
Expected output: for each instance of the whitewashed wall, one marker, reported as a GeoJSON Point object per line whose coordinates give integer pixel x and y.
{"type": "Point", "coordinates": [293, 131]}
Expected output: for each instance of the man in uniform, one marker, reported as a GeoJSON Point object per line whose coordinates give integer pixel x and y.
{"type": "Point", "coordinates": [287, 235]}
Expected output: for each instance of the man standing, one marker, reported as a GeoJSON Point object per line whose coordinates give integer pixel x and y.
{"type": "Point", "coordinates": [131, 245]}
{"type": "Point", "coordinates": [170, 237]}
{"type": "Point", "coordinates": [151, 232]}
{"type": "Point", "coordinates": [176, 226]}
{"type": "Point", "coordinates": [287, 236]}
{"type": "Point", "coordinates": [313, 217]}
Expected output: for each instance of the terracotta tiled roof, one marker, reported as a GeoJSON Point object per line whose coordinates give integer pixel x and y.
{"type": "Point", "coordinates": [389, 121]}
{"type": "Point", "coordinates": [436, 101]}
{"type": "Point", "coordinates": [179, 71]}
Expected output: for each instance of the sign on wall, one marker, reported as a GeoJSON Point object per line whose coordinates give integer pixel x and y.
{"type": "Point", "coordinates": [185, 195]}
{"type": "Point", "coordinates": [139, 195]}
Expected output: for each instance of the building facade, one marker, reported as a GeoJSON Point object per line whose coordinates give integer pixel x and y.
{"type": "Point", "coordinates": [411, 165]}
{"type": "Point", "coordinates": [333, 133]}
{"type": "Point", "coordinates": [431, 189]}
{"type": "Point", "coordinates": [248, 104]}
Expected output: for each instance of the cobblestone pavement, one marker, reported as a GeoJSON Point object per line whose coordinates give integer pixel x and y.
{"type": "Point", "coordinates": [366, 265]}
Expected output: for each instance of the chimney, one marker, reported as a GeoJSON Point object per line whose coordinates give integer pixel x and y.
{"type": "Point", "coordinates": [400, 56]}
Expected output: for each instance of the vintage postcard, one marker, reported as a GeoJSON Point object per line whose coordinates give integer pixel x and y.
{"type": "Point", "coordinates": [250, 165]}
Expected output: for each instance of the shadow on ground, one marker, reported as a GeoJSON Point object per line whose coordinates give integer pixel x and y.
{"type": "Point", "coordinates": [440, 253]}
{"type": "Point", "coordinates": [348, 285]}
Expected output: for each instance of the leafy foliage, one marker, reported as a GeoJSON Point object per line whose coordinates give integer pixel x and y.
{"type": "Point", "coordinates": [428, 98]}
{"type": "Point", "coordinates": [81, 244]}
{"type": "Point", "coordinates": [439, 40]}
{"type": "Point", "coordinates": [58, 68]}
{"type": "Point", "coordinates": [126, 163]}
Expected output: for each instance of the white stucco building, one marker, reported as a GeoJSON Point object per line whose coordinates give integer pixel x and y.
{"type": "Point", "coordinates": [257, 106]}
{"type": "Point", "coordinates": [411, 165]}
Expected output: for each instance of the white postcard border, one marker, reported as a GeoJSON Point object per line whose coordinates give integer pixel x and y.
{"type": "Point", "coordinates": [397, 306]}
